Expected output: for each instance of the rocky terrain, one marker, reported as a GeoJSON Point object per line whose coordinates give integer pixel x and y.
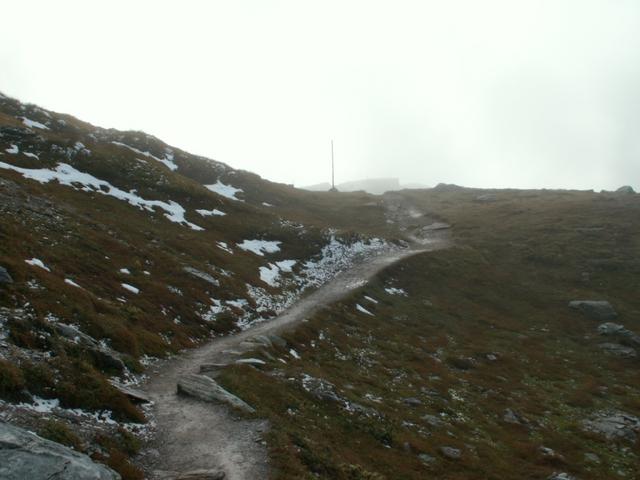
{"type": "Point", "coordinates": [163, 315]}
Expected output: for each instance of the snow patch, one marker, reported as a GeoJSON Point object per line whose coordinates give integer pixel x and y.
{"type": "Point", "coordinates": [259, 247]}
{"type": "Point", "coordinates": [13, 149]}
{"type": "Point", "coordinates": [31, 155]}
{"type": "Point", "coordinates": [167, 160]}
{"type": "Point", "coordinates": [68, 281]}
{"type": "Point", "coordinates": [372, 300]}
{"type": "Point", "coordinates": [67, 175]}
{"type": "Point", "coordinates": [395, 291]}
{"type": "Point", "coordinates": [360, 308]}
{"type": "Point", "coordinates": [36, 262]}
{"type": "Point", "coordinates": [126, 271]}
{"type": "Point", "coordinates": [224, 246]}
{"type": "Point", "coordinates": [33, 124]}
{"type": "Point", "coordinates": [227, 191]}
{"type": "Point", "coordinates": [211, 213]}
{"type": "Point", "coordinates": [130, 288]}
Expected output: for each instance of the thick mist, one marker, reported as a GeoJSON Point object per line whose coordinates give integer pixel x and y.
{"type": "Point", "coordinates": [488, 94]}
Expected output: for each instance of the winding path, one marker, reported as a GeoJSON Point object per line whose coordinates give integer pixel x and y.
{"type": "Point", "coordinates": [192, 434]}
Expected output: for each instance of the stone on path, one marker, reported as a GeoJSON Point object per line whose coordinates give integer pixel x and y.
{"type": "Point", "coordinates": [207, 389]}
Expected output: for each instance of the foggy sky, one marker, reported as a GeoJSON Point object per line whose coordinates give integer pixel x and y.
{"type": "Point", "coordinates": [479, 93]}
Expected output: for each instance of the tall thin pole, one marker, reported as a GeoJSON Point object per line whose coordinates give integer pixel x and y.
{"type": "Point", "coordinates": [333, 183]}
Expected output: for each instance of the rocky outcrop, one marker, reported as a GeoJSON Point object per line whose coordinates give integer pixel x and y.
{"type": "Point", "coordinates": [450, 452]}
{"type": "Point", "coordinates": [618, 350]}
{"type": "Point", "coordinates": [614, 426]}
{"type": "Point", "coordinates": [617, 330]}
{"type": "Point", "coordinates": [596, 309]}
{"type": "Point", "coordinates": [104, 356]}
{"type": "Point", "coordinates": [24, 455]}
{"type": "Point", "coordinates": [207, 389]}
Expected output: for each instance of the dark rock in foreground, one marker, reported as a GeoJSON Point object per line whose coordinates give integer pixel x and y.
{"type": "Point", "coordinates": [24, 455]}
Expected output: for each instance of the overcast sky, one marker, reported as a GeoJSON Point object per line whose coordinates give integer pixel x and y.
{"type": "Point", "coordinates": [480, 93]}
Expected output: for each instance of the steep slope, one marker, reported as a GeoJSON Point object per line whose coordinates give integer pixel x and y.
{"type": "Point", "coordinates": [121, 248]}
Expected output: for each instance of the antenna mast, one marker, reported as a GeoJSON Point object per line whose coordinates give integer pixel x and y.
{"type": "Point", "coordinates": [333, 183]}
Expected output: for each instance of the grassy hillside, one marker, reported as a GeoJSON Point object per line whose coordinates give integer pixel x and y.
{"type": "Point", "coordinates": [123, 249]}
{"type": "Point", "coordinates": [471, 352]}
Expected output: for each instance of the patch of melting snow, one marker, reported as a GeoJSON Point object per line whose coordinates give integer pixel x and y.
{"type": "Point", "coordinates": [265, 204]}
{"type": "Point", "coordinates": [227, 191]}
{"type": "Point", "coordinates": [294, 354]}
{"type": "Point", "coordinates": [372, 300]}
{"type": "Point", "coordinates": [36, 262]}
{"type": "Point", "coordinates": [224, 246]}
{"type": "Point", "coordinates": [360, 308]}
{"type": "Point", "coordinates": [67, 175]}
{"type": "Point", "coordinates": [13, 149]}
{"type": "Point", "coordinates": [270, 274]}
{"type": "Point", "coordinates": [167, 160]}
{"type": "Point", "coordinates": [126, 271]}
{"type": "Point", "coordinates": [130, 288]}
{"type": "Point", "coordinates": [395, 291]}
{"type": "Point", "coordinates": [259, 247]}
{"type": "Point", "coordinates": [211, 213]}
{"type": "Point", "coordinates": [31, 155]}
{"type": "Point", "coordinates": [251, 361]}
{"type": "Point", "coordinates": [68, 281]}
{"type": "Point", "coordinates": [33, 124]}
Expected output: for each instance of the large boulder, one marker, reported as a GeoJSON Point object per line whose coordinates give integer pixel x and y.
{"type": "Point", "coordinates": [4, 276]}
{"type": "Point", "coordinates": [24, 455]}
{"type": "Point", "coordinates": [207, 389]}
{"type": "Point", "coordinates": [617, 330]}
{"type": "Point", "coordinates": [596, 309]}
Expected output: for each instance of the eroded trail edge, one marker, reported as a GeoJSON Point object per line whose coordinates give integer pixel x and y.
{"type": "Point", "coordinates": [196, 435]}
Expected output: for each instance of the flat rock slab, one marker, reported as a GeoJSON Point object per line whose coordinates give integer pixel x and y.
{"type": "Point", "coordinates": [24, 455]}
{"type": "Point", "coordinates": [134, 394]}
{"type": "Point", "coordinates": [596, 309]}
{"type": "Point", "coordinates": [207, 389]}
{"type": "Point", "coordinates": [192, 475]}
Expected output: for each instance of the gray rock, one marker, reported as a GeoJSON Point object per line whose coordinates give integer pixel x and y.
{"type": "Point", "coordinates": [433, 420]}
{"type": "Point", "coordinates": [321, 389]}
{"type": "Point", "coordinates": [513, 417]}
{"type": "Point", "coordinates": [450, 452]}
{"type": "Point", "coordinates": [610, 328]}
{"type": "Point", "coordinates": [412, 401]}
{"type": "Point", "coordinates": [619, 330]}
{"type": "Point", "coordinates": [626, 189]}
{"type": "Point", "coordinates": [207, 389]}
{"type": "Point", "coordinates": [426, 458]}
{"type": "Point", "coordinates": [104, 356]}
{"type": "Point", "coordinates": [596, 309]}
{"type": "Point", "coordinates": [263, 340]}
{"type": "Point", "coordinates": [135, 395]}
{"type": "Point", "coordinates": [277, 340]}
{"type": "Point", "coordinates": [24, 455]}
{"type": "Point", "coordinates": [614, 426]}
{"type": "Point", "coordinates": [4, 276]}
{"type": "Point", "coordinates": [212, 367]}
{"type": "Point", "coordinates": [618, 350]}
